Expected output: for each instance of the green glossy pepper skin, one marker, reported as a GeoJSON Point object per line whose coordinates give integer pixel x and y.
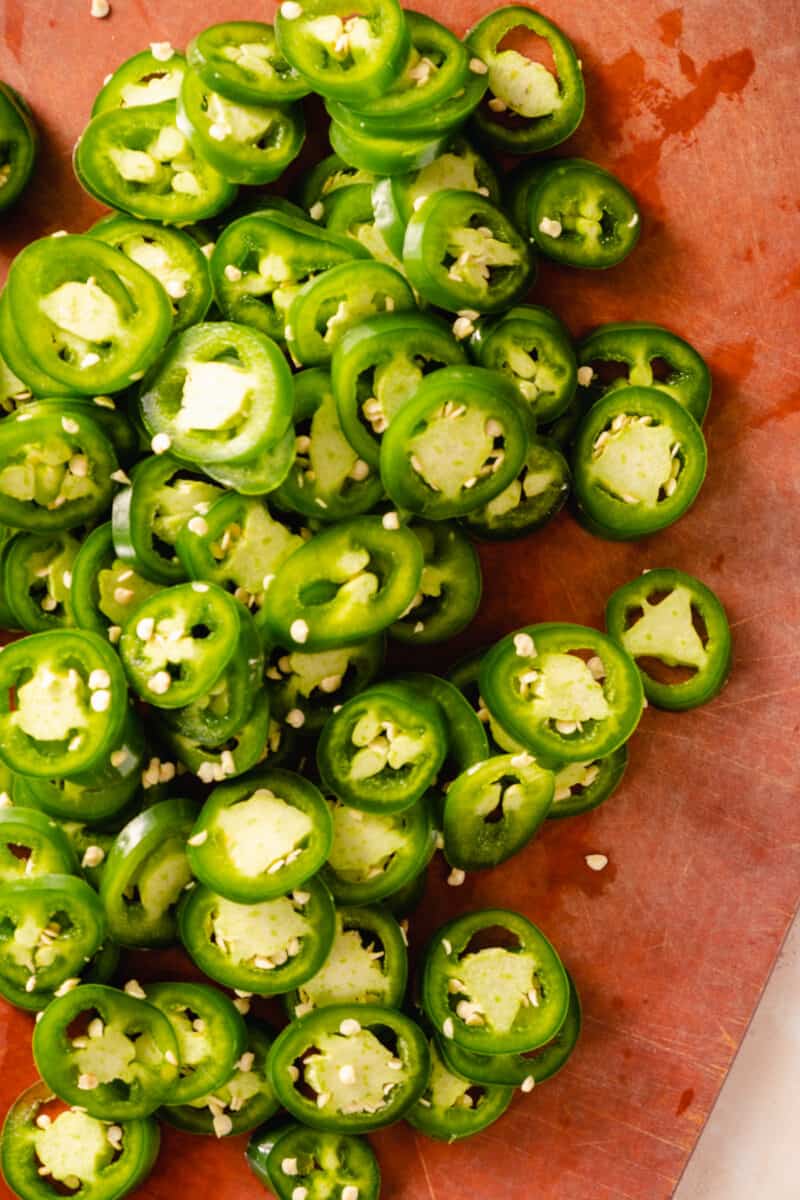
{"type": "Point", "coordinates": [140, 81]}
{"type": "Point", "coordinates": [450, 589]}
{"type": "Point", "coordinates": [530, 501]}
{"type": "Point", "coordinates": [533, 348]}
{"type": "Point", "coordinates": [49, 850]}
{"type": "Point", "coordinates": [37, 580]}
{"type": "Point", "coordinates": [583, 786]}
{"type": "Point", "coordinates": [96, 573]}
{"type": "Point", "coordinates": [207, 1053]}
{"type": "Point", "coordinates": [582, 216]}
{"type": "Point", "coordinates": [241, 61]}
{"type": "Point", "coordinates": [19, 143]}
{"type": "Point", "coordinates": [441, 1113]}
{"type": "Point", "coordinates": [328, 1163]}
{"type": "Point", "coordinates": [467, 743]}
{"type": "Point", "coordinates": [386, 155]}
{"type": "Point", "coordinates": [374, 855]}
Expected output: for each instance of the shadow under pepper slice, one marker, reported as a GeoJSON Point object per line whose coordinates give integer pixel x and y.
{"type": "Point", "coordinates": [388, 1059]}
{"type": "Point", "coordinates": [210, 1032]}
{"type": "Point", "coordinates": [453, 1107]}
{"type": "Point", "coordinates": [581, 786]}
{"type": "Point", "coordinates": [241, 60]}
{"type": "Point", "coordinates": [328, 1164]}
{"type": "Point", "coordinates": [374, 854]}
{"type": "Point", "coordinates": [582, 216]}
{"type": "Point", "coordinates": [121, 1067]}
{"type": "Point", "coordinates": [350, 582]}
{"type": "Point", "coordinates": [462, 252]}
{"type": "Point", "coordinates": [18, 142]}
{"type": "Point", "coordinates": [42, 1158]}
{"type": "Point", "coordinates": [532, 347]}
{"type": "Point", "coordinates": [266, 947]}
{"type": "Point", "coordinates": [535, 108]}
{"type": "Point", "coordinates": [50, 927]}
{"type": "Point", "coordinates": [566, 692]}
{"type": "Point", "coordinates": [146, 873]}
{"type": "Point", "coordinates": [449, 591]}
{"type": "Point", "coordinates": [644, 355]}
{"type": "Point", "coordinates": [368, 964]}
{"type": "Point", "coordinates": [503, 997]}
{"type": "Point", "coordinates": [456, 444]}
{"type": "Point", "coordinates": [676, 631]}
{"type": "Point", "coordinates": [260, 837]}
{"type": "Point", "coordinates": [142, 80]}
{"type": "Point", "coordinates": [639, 461]}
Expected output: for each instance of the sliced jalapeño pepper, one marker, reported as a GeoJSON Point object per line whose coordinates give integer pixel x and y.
{"type": "Point", "coordinates": [241, 60]}
{"type": "Point", "coordinates": [37, 580]}
{"type": "Point", "coordinates": [17, 145]}
{"type": "Point", "coordinates": [32, 844]}
{"type": "Point", "coordinates": [210, 1032]}
{"type": "Point", "coordinates": [582, 216]}
{"type": "Point", "coordinates": [52, 926]}
{"type": "Point", "coordinates": [676, 630]}
{"type": "Point", "coordinates": [539, 491]}
{"type": "Point", "coordinates": [533, 348]}
{"type": "Point", "coordinates": [452, 1107]}
{"type": "Point", "coordinates": [450, 588]}
{"type": "Point", "coordinates": [143, 79]}
{"type": "Point", "coordinates": [376, 853]}
{"type": "Point", "coordinates": [467, 743]}
{"type": "Point", "coordinates": [256, 738]}
{"type": "Point", "coordinates": [95, 598]}
{"type": "Point", "coordinates": [387, 154]}
{"type": "Point", "coordinates": [582, 786]}
{"type": "Point", "coordinates": [304, 686]}
{"type": "Point", "coordinates": [324, 1163]}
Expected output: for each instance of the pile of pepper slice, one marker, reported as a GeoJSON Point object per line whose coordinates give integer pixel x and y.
{"type": "Point", "coordinates": [249, 443]}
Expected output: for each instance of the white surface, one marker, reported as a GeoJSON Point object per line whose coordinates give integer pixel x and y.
{"type": "Point", "coordinates": [750, 1147]}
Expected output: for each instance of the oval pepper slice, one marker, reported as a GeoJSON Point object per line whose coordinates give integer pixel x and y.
{"type": "Point", "coordinates": [461, 252]}
{"type": "Point", "coordinates": [387, 155]}
{"type": "Point", "coordinates": [38, 1156]}
{"type": "Point", "coordinates": [123, 1062]}
{"type": "Point", "coordinates": [449, 591]}
{"type": "Point", "coordinates": [370, 1039]}
{"type": "Point", "coordinates": [455, 445]}
{"type": "Point", "coordinates": [533, 348]}
{"type": "Point", "coordinates": [266, 948]}
{"type": "Point", "coordinates": [210, 1032]}
{"type": "Point", "coordinates": [644, 355]}
{"type": "Point", "coordinates": [509, 996]}
{"type": "Point", "coordinates": [351, 51]}
{"type": "Point", "coordinates": [143, 79]}
{"type": "Point", "coordinates": [97, 574]}
{"type": "Point", "coordinates": [582, 216]}
{"type": "Point", "coordinates": [374, 854]}
{"type": "Point", "coordinates": [452, 1107]}
{"type": "Point", "coordinates": [325, 1163]}
{"type": "Point", "coordinates": [241, 60]}
{"type": "Point", "coordinates": [18, 143]}
{"type": "Point", "coordinates": [383, 749]}
{"type": "Point", "coordinates": [349, 583]}
{"type": "Point", "coordinates": [53, 924]}
{"type": "Point", "coordinates": [582, 786]}
{"type": "Point", "coordinates": [533, 107]}
{"type": "Point", "coordinates": [566, 692]}
{"type": "Point", "coordinates": [639, 461]}
{"type": "Point", "coordinates": [677, 632]}
{"type": "Point", "coordinates": [37, 578]}
{"type": "Point", "coordinates": [260, 837]}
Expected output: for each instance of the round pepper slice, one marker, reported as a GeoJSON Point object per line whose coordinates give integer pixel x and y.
{"type": "Point", "coordinates": [242, 1101]}
{"type": "Point", "coordinates": [535, 108]}
{"type": "Point", "coordinates": [325, 1164]}
{"type": "Point", "coordinates": [348, 583]}
{"type": "Point", "coordinates": [533, 348]}
{"type": "Point", "coordinates": [170, 255]}
{"type": "Point", "coordinates": [533, 498]}
{"type": "Point", "coordinates": [245, 142]}
{"type": "Point", "coordinates": [452, 1107]}
{"type": "Point", "coordinates": [383, 749]}
{"type": "Point", "coordinates": [582, 786]}
{"type": "Point", "coordinates": [374, 854]}
{"type": "Point", "coordinates": [368, 964]}
{"type": "Point", "coordinates": [387, 1054]}
{"type": "Point", "coordinates": [461, 252]}
{"type": "Point", "coordinates": [18, 142]}
{"type": "Point", "coordinates": [38, 1155]}
{"type": "Point", "coordinates": [179, 642]}
{"type": "Point", "coordinates": [32, 844]}
{"type": "Point", "coordinates": [145, 874]}
{"type": "Point", "coordinates": [506, 997]}
{"type": "Point", "coordinates": [493, 809]}
{"type": "Point", "coordinates": [351, 51]}
{"type": "Point", "coordinates": [378, 365]}
{"type": "Point", "coordinates": [566, 692]}
{"type": "Point", "coordinates": [69, 703]}
{"type": "Point", "coordinates": [639, 461]}
{"type": "Point", "coordinates": [644, 355]}
{"type": "Point", "coordinates": [582, 216]}
{"type": "Point", "coordinates": [17, 357]}
{"type": "Point", "coordinates": [137, 160]}
{"type": "Point", "coordinates": [430, 122]}
{"type": "Point", "coordinates": [305, 687]}
{"type": "Point", "coordinates": [467, 743]}
{"type": "Point", "coordinates": [250, 744]}
{"type": "Point", "coordinates": [37, 580]}
{"type": "Point", "coordinates": [260, 837]}
{"type": "Point", "coordinates": [144, 79]}
{"type": "Point", "coordinates": [268, 947]}
{"type": "Point", "coordinates": [123, 1062]}
{"type": "Point", "coordinates": [210, 1032]}
{"type": "Point", "coordinates": [677, 633]}
{"type": "Point", "coordinates": [96, 576]}
{"type": "Point", "coordinates": [257, 476]}
{"type": "Point", "coordinates": [519, 1070]}
{"type": "Point", "coordinates": [241, 61]}
{"type": "Point", "coordinates": [53, 925]}
{"type": "Point", "coordinates": [450, 588]}
{"type": "Point", "coordinates": [100, 318]}
{"type": "Point", "coordinates": [221, 394]}
{"type": "Point", "coordinates": [455, 445]}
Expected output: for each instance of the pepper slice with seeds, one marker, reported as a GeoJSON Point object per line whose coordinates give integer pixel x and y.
{"type": "Point", "coordinates": [453, 1107]}
{"type": "Point", "coordinates": [582, 216]}
{"type": "Point", "coordinates": [18, 142]}
{"type": "Point", "coordinates": [37, 579]}
{"type": "Point", "coordinates": [305, 686]}
{"type": "Point", "coordinates": [581, 786]}
{"type": "Point", "coordinates": [539, 491]}
{"type": "Point", "coordinates": [375, 854]}
{"type": "Point", "coordinates": [142, 80]}
{"type": "Point", "coordinates": [241, 60]}
{"type": "Point", "coordinates": [324, 1164]}
{"type": "Point", "coordinates": [105, 591]}
{"type": "Point", "coordinates": [532, 347]}
{"type": "Point", "coordinates": [210, 1032]}
{"type": "Point", "coordinates": [449, 591]}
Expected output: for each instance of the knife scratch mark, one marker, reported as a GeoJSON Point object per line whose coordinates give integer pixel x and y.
{"type": "Point", "coordinates": [424, 1166]}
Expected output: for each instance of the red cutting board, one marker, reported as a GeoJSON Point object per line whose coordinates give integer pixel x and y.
{"type": "Point", "coordinates": [671, 944]}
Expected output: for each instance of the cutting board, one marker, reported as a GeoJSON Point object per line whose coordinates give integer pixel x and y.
{"type": "Point", "coordinates": [672, 943]}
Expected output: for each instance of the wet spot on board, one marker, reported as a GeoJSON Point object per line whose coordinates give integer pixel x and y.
{"type": "Point", "coordinates": [687, 66]}
{"type": "Point", "coordinates": [671, 26]}
{"type": "Point", "coordinates": [717, 562]}
{"type": "Point", "coordinates": [686, 1099]}
{"type": "Point", "coordinates": [788, 406]}
{"type": "Point", "coordinates": [790, 284]}
{"type": "Point", "coordinates": [14, 26]}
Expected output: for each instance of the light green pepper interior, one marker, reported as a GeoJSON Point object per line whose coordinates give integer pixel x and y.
{"type": "Point", "coordinates": [666, 631]}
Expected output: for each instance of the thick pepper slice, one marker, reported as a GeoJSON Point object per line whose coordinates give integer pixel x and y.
{"type": "Point", "coordinates": [260, 837]}
{"type": "Point", "coordinates": [383, 749]}
{"type": "Point", "coordinates": [458, 443]}
{"type": "Point", "coordinates": [123, 1062]}
{"type": "Point", "coordinates": [533, 348]}
{"type": "Point", "coordinates": [503, 998]}
{"type": "Point", "coordinates": [40, 1158]}
{"type": "Point", "coordinates": [566, 692]}
{"type": "Point", "coordinates": [633, 353]}
{"type": "Point", "coordinates": [582, 216]}
{"type": "Point", "coordinates": [374, 854]}
{"type": "Point", "coordinates": [676, 630]}
{"type": "Point", "coordinates": [350, 51]}
{"type": "Point", "coordinates": [450, 588]}
{"type": "Point", "coordinates": [241, 60]}
{"type": "Point", "coordinates": [387, 1054]}
{"type": "Point", "coordinates": [143, 80]}
{"type": "Point", "coordinates": [463, 253]}
{"type": "Point", "coordinates": [91, 318]}
{"type": "Point", "coordinates": [348, 583]}
{"type": "Point", "coordinates": [452, 1107]}
{"type": "Point", "coordinates": [266, 947]}
{"type": "Point", "coordinates": [639, 461]}
{"type": "Point", "coordinates": [533, 107]}
{"type": "Point", "coordinates": [18, 143]}
{"type": "Point", "coordinates": [210, 1032]}
{"type": "Point", "coordinates": [53, 925]}
{"type": "Point", "coordinates": [326, 1164]}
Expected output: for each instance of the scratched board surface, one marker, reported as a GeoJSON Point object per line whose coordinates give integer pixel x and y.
{"type": "Point", "coordinates": [671, 944]}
